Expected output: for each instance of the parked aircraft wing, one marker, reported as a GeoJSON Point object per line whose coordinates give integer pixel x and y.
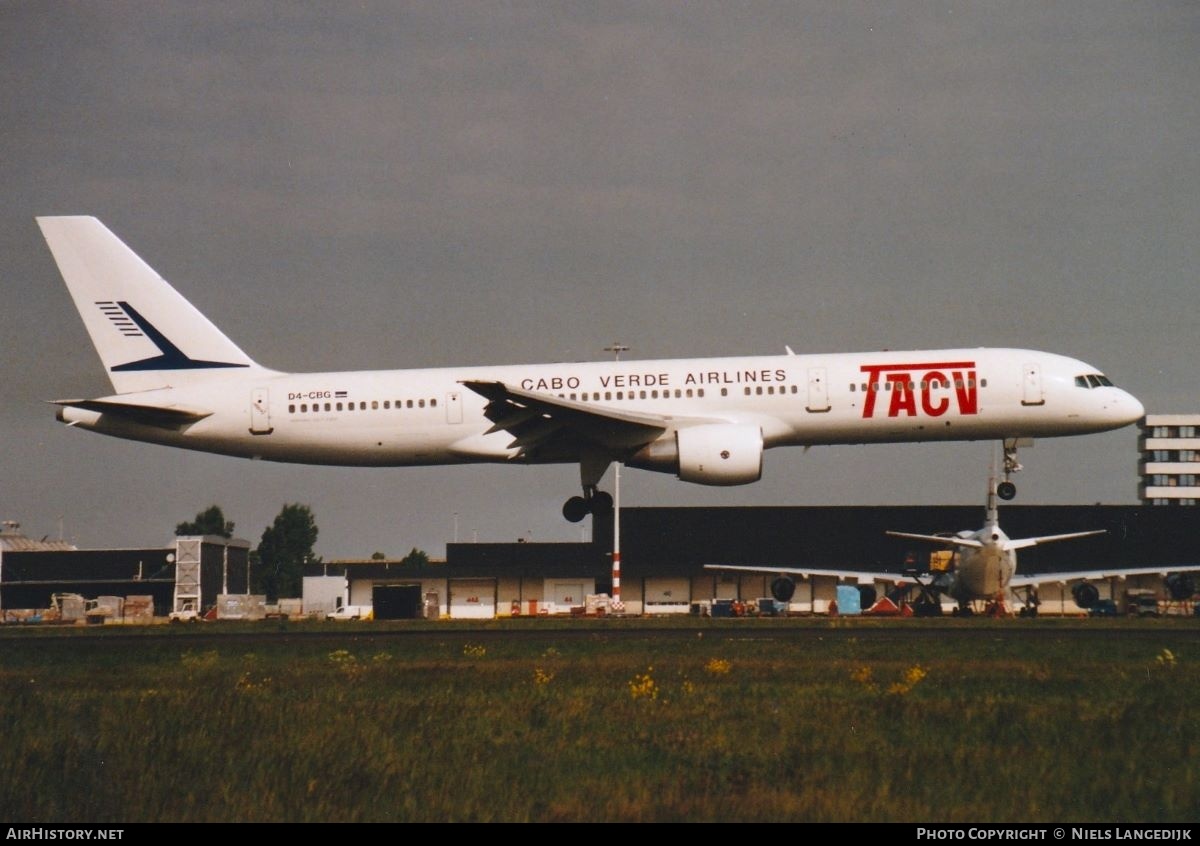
{"type": "Point", "coordinates": [858, 576]}
{"type": "Point", "coordinates": [1093, 575]}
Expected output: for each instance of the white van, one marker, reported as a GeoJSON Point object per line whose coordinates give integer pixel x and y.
{"type": "Point", "coordinates": [351, 612]}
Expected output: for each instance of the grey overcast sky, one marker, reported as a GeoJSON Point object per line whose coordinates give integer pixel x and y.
{"type": "Point", "coordinates": [398, 184]}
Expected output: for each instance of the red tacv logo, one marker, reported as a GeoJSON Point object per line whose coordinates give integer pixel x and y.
{"type": "Point", "coordinates": [916, 389]}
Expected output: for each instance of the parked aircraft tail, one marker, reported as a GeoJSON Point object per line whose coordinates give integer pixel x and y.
{"type": "Point", "coordinates": [146, 333]}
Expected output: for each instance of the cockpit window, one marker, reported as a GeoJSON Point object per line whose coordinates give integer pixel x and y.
{"type": "Point", "coordinates": [1093, 380]}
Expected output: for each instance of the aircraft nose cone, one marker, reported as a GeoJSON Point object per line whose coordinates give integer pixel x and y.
{"type": "Point", "coordinates": [1125, 408]}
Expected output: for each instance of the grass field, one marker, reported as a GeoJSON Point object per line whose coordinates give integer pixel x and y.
{"type": "Point", "coordinates": [755, 720]}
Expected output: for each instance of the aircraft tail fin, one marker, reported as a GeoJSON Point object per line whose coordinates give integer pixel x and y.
{"type": "Point", "coordinates": [146, 333]}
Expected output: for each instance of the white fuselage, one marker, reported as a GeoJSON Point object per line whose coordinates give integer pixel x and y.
{"type": "Point", "coordinates": [983, 573]}
{"type": "Point", "coordinates": [426, 417]}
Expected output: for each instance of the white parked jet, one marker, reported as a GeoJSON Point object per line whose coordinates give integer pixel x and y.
{"type": "Point", "coordinates": [983, 568]}
{"type": "Point", "coordinates": [180, 382]}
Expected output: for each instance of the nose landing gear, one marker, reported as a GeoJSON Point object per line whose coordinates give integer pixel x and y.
{"type": "Point", "coordinates": [1006, 490]}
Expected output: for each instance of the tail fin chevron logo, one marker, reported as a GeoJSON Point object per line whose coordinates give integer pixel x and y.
{"type": "Point", "coordinates": [128, 322]}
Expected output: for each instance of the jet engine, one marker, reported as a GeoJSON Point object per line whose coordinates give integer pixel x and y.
{"type": "Point", "coordinates": [709, 454]}
{"type": "Point", "coordinates": [783, 589]}
{"type": "Point", "coordinates": [1085, 595]}
{"type": "Point", "coordinates": [1180, 586]}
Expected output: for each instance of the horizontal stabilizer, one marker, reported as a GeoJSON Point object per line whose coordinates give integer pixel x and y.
{"type": "Point", "coordinates": [149, 415]}
{"type": "Point", "coordinates": [968, 543]}
{"type": "Point", "coordinates": [1022, 543]}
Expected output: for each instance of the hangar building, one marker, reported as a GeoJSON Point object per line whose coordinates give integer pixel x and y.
{"type": "Point", "coordinates": [189, 570]}
{"type": "Point", "coordinates": [664, 552]}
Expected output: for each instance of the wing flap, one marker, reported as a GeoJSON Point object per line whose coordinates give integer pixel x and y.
{"type": "Point", "coordinates": [537, 420]}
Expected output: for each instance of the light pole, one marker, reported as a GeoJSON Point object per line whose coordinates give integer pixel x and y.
{"type": "Point", "coordinates": [617, 606]}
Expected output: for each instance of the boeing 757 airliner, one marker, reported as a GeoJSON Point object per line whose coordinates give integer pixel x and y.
{"type": "Point", "coordinates": [179, 381]}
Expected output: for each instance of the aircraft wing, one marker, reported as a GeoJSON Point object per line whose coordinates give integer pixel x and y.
{"type": "Point", "coordinates": [859, 576]}
{"type": "Point", "coordinates": [970, 543]}
{"type": "Point", "coordinates": [150, 415]}
{"type": "Point", "coordinates": [538, 420]}
{"type": "Point", "coordinates": [1092, 575]}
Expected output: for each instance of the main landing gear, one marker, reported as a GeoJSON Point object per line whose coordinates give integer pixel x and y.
{"type": "Point", "coordinates": [592, 502]}
{"type": "Point", "coordinates": [1006, 490]}
{"type": "Point", "coordinates": [592, 467]}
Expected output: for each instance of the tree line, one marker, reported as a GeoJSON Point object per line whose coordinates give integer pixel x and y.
{"type": "Point", "coordinates": [286, 546]}
{"type": "Point", "coordinates": [284, 550]}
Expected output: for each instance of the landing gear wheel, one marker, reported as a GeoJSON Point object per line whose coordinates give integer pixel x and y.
{"type": "Point", "coordinates": [602, 502]}
{"type": "Point", "coordinates": [1006, 490]}
{"type": "Point", "coordinates": [927, 607]}
{"type": "Point", "coordinates": [575, 509]}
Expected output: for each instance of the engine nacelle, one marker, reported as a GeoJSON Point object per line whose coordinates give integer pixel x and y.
{"type": "Point", "coordinates": [783, 588]}
{"type": "Point", "coordinates": [1180, 586]}
{"type": "Point", "coordinates": [709, 454]}
{"type": "Point", "coordinates": [1085, 595]}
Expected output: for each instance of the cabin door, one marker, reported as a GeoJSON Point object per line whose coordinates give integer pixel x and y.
{"type": "Point", "coordinates": [260, 412]}
{"type": "Point", "coordinates": [818, 390]}
{"type": "Point", "coordinates": [1031, 386]}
